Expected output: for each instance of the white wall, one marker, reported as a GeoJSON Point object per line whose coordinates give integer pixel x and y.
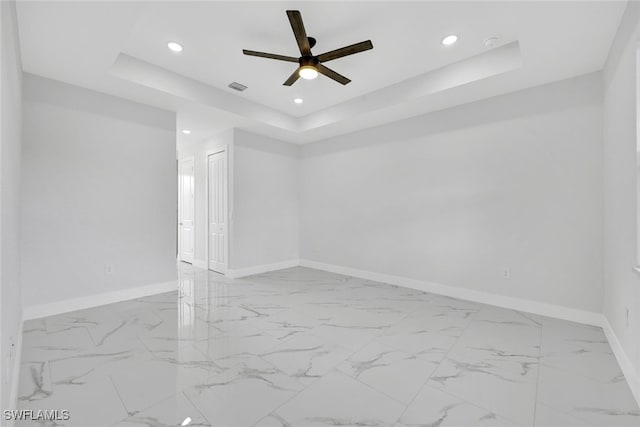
{"type": "Point", "coordinates": [622, 283]}
{"type": "Point", "coordinates": [456, 196]}
{"type": "Point", "coordinates": [265, 210]}
{"type": "Point", "coordinates": [99, 187]}
{"type": "Point", "coordinates": [10, 152]}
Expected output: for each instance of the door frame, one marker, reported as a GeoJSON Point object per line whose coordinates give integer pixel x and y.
{"type": "Point", "coordinates": [180, 160]}
{"type": "Point", "coordinates": [222, 149]}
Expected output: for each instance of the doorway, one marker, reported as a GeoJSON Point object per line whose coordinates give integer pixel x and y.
{"type": "Point", "coordinates": [217, 211]}
{"type": "Point", "coordinates": [186, 209]}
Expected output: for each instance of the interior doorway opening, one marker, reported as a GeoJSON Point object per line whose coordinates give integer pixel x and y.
{"type": "Point", "coordinates": [186, 209]}
{"type": "Point", "coordinates": [217, 211]}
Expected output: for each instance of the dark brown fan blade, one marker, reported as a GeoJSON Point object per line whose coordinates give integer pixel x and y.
{"type": "Point", "coordinates": [332, 74]}
{"type": "Point", "coordinates": [269, 55]}
{"type": "Point", "coordinates": [298, 30]}
{"type": "Point", "coordinates": [345, 51]}
{"type": "Point", "coordinates": [292, 78]}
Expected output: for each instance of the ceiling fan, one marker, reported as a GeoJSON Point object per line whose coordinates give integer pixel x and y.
{"type": "Point", "coordinates": [309, 64]}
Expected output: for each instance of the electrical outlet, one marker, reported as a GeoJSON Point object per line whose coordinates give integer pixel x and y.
{"type": "Point", "coordinates": [506, 273]}
{"type": "Point", "coordinates": [108, 269]}
{"type": "Point", "coordinates": [626, 322]}
{"type": "Point", "coordinates": [8, 359]}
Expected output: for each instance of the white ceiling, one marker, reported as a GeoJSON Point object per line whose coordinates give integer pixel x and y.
{"type": "Point", "coordinates": [120, 48]}
{"type": "Point", "coordinates": [406, 39]}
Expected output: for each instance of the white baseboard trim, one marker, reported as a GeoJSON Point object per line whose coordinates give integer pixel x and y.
{"type": "Point", "coordinates": [529, 306]}
{"type": "Point", "coordinates": [630, 373]}
{"type": "Point", "coordinates": [257, 269]}
{"type": "Point", "coordinates": [80, 303]}
{"type": "Point", "coordinates": [199, 263]}
{"type": "Point", "coordinates": [520, 304]}
{"type": "Point", "coordinates": [15, 378]}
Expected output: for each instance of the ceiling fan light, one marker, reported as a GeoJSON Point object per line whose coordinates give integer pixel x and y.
{"type": "Point", "coordinates": [308, 72]}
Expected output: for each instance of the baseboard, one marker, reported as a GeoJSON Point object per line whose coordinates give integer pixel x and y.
{"type": "Point", "coordinates": [58, 307]}
{"type": "Point", "coordinates": [258, 269]}
{"type": "Point", "coordinates": [520, 304]}
{"type": "Point", "coordinates": [630, 373]}
{"type": "Point", "coordinates": [535, 307]}
{"type": "Point", "coordinates": [15, 378]}
{"type": "Point", "coordinates": [199, 263]}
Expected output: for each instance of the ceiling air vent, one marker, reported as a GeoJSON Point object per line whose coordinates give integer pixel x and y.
{"type": "Point", "coordinates": [237, 86]}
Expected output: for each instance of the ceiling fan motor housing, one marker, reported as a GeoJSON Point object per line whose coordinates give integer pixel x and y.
{"type": "Point", "coordinates": [308, 61]}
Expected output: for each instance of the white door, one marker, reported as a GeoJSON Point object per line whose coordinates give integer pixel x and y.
{"type": "Point", "coordinates": [217, 200]}
{"type": "Point", "coordinates": [186, 198]}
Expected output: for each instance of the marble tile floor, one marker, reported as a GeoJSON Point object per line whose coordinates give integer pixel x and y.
{"type": "Point", "coordinates": [301, 347]}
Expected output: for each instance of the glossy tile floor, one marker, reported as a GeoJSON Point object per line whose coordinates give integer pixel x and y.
{"type": "Point", "coordinates": [301, 347]}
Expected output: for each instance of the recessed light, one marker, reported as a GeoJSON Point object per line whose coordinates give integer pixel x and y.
{"type": "Point", "coordinates": [186, 131]}
{"type": "Point", "coordinates": [491, 41]}
{"type": "Point", "coordinates": [186, 421]}
{"type": "Point", "coordinates": [449, 40]}
{"type": "Point", "coordinates": [298, 101]}
{"type": "Point", "coordinates": [175, 47]}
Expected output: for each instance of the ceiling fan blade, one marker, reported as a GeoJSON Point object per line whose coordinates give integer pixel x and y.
{"type": "Point", "coordinates": [292, 78]}
{"type": "Point", "coordinates": [345, 51]}
{"type": "Point", "coordinates": [332, 74]}
{"type": "Point", "coordinates": [269, 55]}
{"type": "Point", "coordinates": [295, 18]}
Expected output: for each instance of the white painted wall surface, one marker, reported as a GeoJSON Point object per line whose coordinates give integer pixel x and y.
{"type": "Point", "coordinates": [265, 223]}
{"type": "Point", "coordinates": [622, 283]}
{"type": "Point", "coordinates": [10, 153]}
{"type": "Point", "coordinates": [99, 187]}
{"type": "Point", "coordinates": [457, 196]}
